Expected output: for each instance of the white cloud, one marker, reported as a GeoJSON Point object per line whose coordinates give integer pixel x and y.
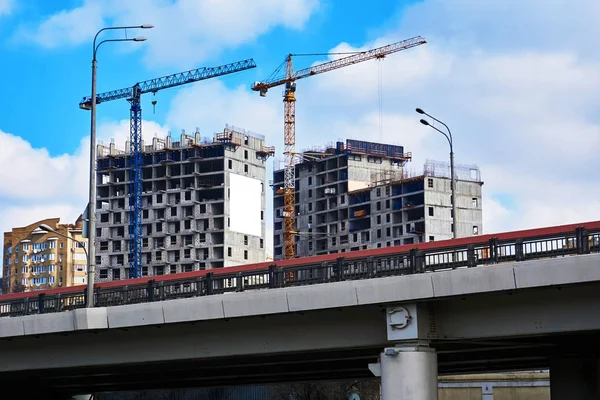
{"type": "Point", "coordinates": [35, 185]}
{"type": "Point", "coordinates": [6, 7]}
{"type": "Point", "coordinates": [186, 31]}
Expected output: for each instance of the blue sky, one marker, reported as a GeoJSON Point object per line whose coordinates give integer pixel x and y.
{"type": "Point", "coordinates": [518, 81]}
{"type": "Point", "coordinates": [49, 82]}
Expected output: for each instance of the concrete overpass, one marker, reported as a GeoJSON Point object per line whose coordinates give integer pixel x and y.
{"type": "Point", "coordinates": [533, 314]}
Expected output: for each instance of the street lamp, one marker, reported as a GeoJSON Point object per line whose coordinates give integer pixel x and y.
{"type": "Point", "coordinates": [452, 177]}
{"type": "Point", "coordinates": [91, 267]}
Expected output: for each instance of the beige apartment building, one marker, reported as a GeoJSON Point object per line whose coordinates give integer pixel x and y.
{"type": "Point", "coordinates": [44, 255]}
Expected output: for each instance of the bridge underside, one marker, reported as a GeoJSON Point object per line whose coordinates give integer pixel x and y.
{"type": "Point", "coordinates": [455, 357]}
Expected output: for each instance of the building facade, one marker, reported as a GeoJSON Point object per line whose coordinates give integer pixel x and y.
{"type": "Point", "coordinates": [203, 204]}
{"type": "Point", "coordinates": [36, 258]}
{"type": "Point", "coordinates": [357, 196]}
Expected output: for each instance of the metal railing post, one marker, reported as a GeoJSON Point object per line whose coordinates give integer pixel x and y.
{"type": "Point", "coordinates": [150, 290]}
{"type": "Point", "coordinates": [239, 287]}
{"type": "Point", "coordinates": [413, 261]}
{"type": "Point", "coordinates": [370, 263]}
{"type": "Point", "coordinates": [471, 261]}
{"type": "Point", "coordinates": [519, 255]}
{"type": "Point", "coordinates": [339, 268]}
{"type": "Point", "coordinates": [209, 283]}
{"type": "Point", "coordinates": [272, 276]}
{"type": "Point", "coordinates": [41, 303]}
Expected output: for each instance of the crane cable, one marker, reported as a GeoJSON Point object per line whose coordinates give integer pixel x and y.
{"type": "Point", "coordinates": [380, 93]}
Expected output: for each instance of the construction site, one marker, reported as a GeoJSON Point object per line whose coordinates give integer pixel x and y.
{"type": "Point", "coordinates": [356, 195]}
{"type": "Point", "coordinates": [197, 202]}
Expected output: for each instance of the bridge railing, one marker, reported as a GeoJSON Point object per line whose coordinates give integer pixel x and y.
{"type": "Point", "coordinates": [402, 260]}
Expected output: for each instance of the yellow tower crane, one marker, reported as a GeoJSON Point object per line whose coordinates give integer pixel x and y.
{"type": "Point", "coordinates": [289, 133]}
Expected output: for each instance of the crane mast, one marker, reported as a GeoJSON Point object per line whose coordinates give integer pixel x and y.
{"type": "Point", "coordinates": [289, 132]}
{"type": "Point", "coordinates": [133, 96]}
{"type": "Point", "coordinates": [289, 151]}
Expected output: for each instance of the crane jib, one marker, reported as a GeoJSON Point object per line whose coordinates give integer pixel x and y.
{"type": "Point", "coordinates": [165, 82]}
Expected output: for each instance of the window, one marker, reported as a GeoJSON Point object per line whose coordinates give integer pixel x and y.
{"type": "Point", "coordinates": [474, 202]}
{"type": "Point", "coordinates": [430, 182]}
{"type": "Point", "coordinates": [261, 243]}
{"type": "Point", "coordinates": [229, 252]}
{"type": "Point", "coordinates": [245, 240]}
{"type": "Point", "coordinates": [310, 180]}
{"type": "Point", "coordinates": [246, 140]}
{"type": "Point", "coordinates": [431, 238]}
{"type": "Point", "coordinates": [245, 154]}
{"type": "Point", "coordinates": [262, 215]}
{"type": "Point", "coordinates": [52, 244]}
{"type": "Point", "coordinates": [246, 168]}
{"type": "Point", "coordinates": [245, 254]}
{"type": "Point", "coordinates": [431, 211]}
{"type": "Point", "coordinates": [387, 218]}
{"type": "Point", "coordinates": [116, 274]}
{"type": "Point", "coordinates": [104, 273]}
{"type": "Point", "coordinates": [475, 229]}
{"type": "Point", "coordinates": [378, 192]}
{"type": "Point", "coordinates": [378, 219]}
{"type": "Point", "coordinates": [378, 206]}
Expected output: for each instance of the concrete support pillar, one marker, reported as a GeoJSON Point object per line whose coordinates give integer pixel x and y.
{"type": "Point", "coordinates": [575, 378]}
{"type": "Point", "coordinates": [409, 372]}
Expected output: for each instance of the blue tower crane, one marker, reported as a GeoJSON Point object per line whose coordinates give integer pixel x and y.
{"type": "Point", "coordinates": [133, 95]}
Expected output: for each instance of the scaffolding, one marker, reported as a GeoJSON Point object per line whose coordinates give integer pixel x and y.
{"type": "Point", "coordinates": [441, 169]}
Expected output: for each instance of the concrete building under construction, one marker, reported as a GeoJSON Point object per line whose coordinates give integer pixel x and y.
{"type": "Point", "coordinates": [203, 203]}
{"type": "Point", "coordinates": [357, 195]}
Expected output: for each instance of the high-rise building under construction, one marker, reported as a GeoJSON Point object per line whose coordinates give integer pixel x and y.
{"type": "Point", "coordinates": [203, 204]}
{"type": "Point", "coordinates": [357, 195]}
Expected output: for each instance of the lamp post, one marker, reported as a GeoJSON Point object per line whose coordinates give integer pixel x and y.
{"type": "Point", "coordinates": [91, 267]}
{"type": "Point", "coordinates": [452, 177]}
